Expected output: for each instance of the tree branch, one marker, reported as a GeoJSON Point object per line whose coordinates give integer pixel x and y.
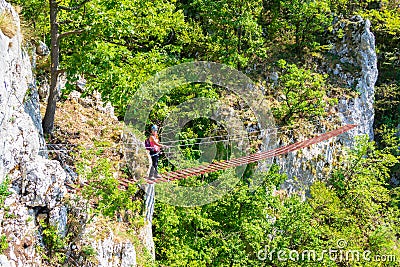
{"type": "Point", "coordinates": [62, 71]}
{"type": "Point", "coordinates": [65, 34]}
{"type": "Point", "coordinates": [65, 21]}
{"type": "Point", "coordinates": [73, 7]}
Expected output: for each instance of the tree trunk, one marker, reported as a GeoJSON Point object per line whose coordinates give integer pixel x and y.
{"type": "Point", "coordinates": [48, 120]}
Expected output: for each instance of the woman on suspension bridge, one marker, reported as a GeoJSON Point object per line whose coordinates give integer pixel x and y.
{"type": "Point", "coordinates": [155, 148]}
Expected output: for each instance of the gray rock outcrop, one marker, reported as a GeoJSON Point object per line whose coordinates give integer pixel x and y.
{"type": "Point", "coordinates": [37, 183]}
{"type": "Point", "coordinates": [357, 48]}
{"type": "Point", "coordinates": [19, 138]}
{"type": "Point", "coordinates": [37, 190]}
{"type": "Point", "coordinates": [356, 67]}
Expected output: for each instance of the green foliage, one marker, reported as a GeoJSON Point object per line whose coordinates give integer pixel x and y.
{"type": "Point", "coordinates": [120, 45]}
{"type": "Point", "coordinates": [387, 119]}
{"type": "Point", "coordinates": [365, 161]}
{"type": "Point", "coordinates": [134, 40]}
{"type": "Point", "coordinates": [88, 251]}
{"type": "Point", "coordinates": [36, 14]}
{"type": "Point", "coordinates": [301, 92]}
{"type": "Point", "coordinates": [125, 42]}
{"type": "Point", "coordinates": [249, 228]}
{"type": "Point", "coordinates": [58, 249]}
{"type": "Point", "coordinates": [4, 191]}
{"type": "Point", "coordinates": [218, 234]}
{"type": "Point", "coordinates": [232, 34]}
{"type": "Point", "coordinates": [387, 105]}
{"type": "Point", "coordinates": [3, 243]}
{"type": "Point", "coordinates": [301, 22]}
{"type": "Point", "coordinates": [54, 242]}
{"type": "Point", "coordinates": [104, 188]}
{"type": "Point", "coordinates": [385, 23]}
{"type": "Point", "coordinates": [361, 186]}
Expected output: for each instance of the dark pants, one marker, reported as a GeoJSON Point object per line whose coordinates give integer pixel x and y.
{"type": "Point", "coordinates": [154, 165]}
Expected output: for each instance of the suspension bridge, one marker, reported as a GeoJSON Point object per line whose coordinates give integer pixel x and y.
{"type": "Point", "coordinates": [223, 165]}
{"type": "Point", "coordinates": [231, 163]}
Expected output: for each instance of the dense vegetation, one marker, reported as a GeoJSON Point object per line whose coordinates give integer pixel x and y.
{"type": "Point", "coordinates": [244, 228]}
{"type": "Point", "coordinates": [118, 44]}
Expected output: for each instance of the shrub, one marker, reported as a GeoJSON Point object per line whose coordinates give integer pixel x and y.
{"type": "Point", "coordinates": [4, 193]}
{"type": "Point", "coordinates": [300, 93]}
{"type": "Point", "coordinates": [3, 243]}
{"type": "Point", "coordinates": [54, 242]}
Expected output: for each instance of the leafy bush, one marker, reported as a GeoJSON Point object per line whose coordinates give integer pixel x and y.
{"type": "Point", "coordinates": [3, 243]}
{"type": "Point", "coordinates": [4, 192]}
{"type": "Point", "coordinates": [232, 34]}
{"type": "Point", "coordinates": [54, 242]}
{"type": "Point", "coordinates": [385, 24]}
{"type": "Point", "coordinates": [298, 24]}
{"type": "Point", "coordinates": [88, 251]}
{"type": "Point", "coordinates": [110, 200]}
{"type": "Point", "coordinates": [387, 105]}
{"type": "Point", "coordinates": [299, 93]}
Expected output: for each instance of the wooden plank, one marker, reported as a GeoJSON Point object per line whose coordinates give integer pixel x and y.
{"type": "Point", "coordinates": [180, 174]}
{"type": "Point", "coordinates": [258, 156]}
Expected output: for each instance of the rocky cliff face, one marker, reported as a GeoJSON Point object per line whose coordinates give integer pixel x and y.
{"type": "Point", "coordinates": [19, 135]}
{"type": "Point", "coordinates": [37, 190]}
{"type": "Point", "coordinates": [354, 66]}
{"type": "Point", "coordinates": [356, 48]}
{"type": "Point", "coordinates": [37, 183]}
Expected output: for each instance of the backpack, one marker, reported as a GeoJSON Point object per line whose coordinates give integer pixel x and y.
{"type": "Point", "coordinates": [147, 145]}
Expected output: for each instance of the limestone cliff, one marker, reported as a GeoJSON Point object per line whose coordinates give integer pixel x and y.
{"type": "Point", "coordinates": [37, 184]}
{"type": "Point", "coordinates": [354, 65]}
{"type": "Point", "coordinates": [357, 48]}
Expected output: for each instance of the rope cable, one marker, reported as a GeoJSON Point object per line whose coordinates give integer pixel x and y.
{"type": "Point", "coordinates": [228, 138]}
